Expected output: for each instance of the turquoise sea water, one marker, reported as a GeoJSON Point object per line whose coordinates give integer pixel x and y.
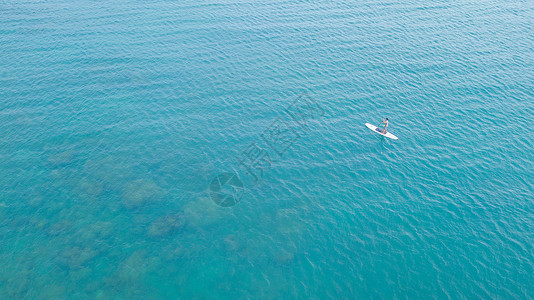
{"type": "Point", "coordinates": [115, 117]}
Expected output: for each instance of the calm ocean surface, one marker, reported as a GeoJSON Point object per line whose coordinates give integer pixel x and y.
{"type": "Point", "coordinates": [115, 117]}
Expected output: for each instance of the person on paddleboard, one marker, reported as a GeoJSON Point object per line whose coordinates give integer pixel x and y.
{"type": "Point", "coordinates": [386, 123]}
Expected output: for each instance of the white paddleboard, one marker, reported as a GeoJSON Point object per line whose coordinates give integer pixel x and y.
{"type": "Point", "coordinates": [379, 131]}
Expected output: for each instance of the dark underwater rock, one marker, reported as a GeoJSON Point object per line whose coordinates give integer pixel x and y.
{"type": "Point", "coordinates": [166, 225]}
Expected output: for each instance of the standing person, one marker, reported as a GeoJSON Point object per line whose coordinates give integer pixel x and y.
{"type": "Point", "coordinates": [386, 123]}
